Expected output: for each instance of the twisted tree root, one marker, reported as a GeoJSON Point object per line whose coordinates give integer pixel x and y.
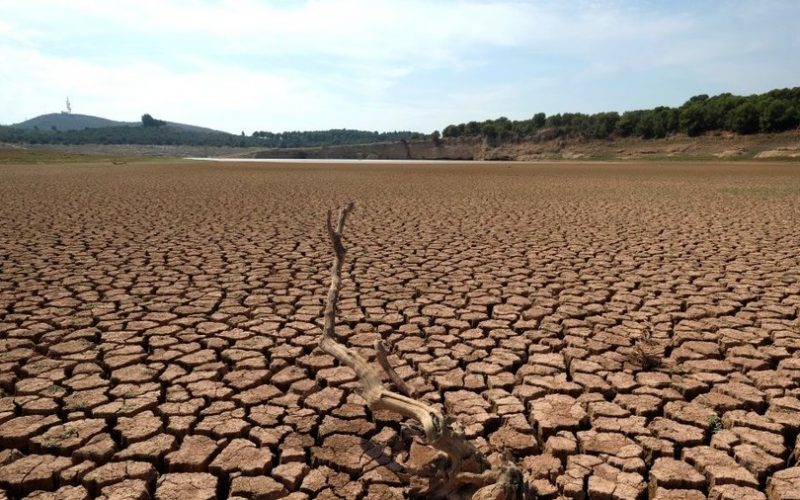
{"type": "Point", "coordinates": [470, 472]}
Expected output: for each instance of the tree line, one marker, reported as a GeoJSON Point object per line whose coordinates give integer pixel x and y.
{"type": "Point", "coordinates": [140, 135]}
{"type": "Point", "coordinates": [296, 139]}
{"type": "Point", "coordinates": [774, 111]}
{"type": "Point", "coordinates": [157, 132]}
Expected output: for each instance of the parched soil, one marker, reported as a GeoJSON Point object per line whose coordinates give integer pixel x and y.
{"type": "Point", "coordinates": [623, 331]}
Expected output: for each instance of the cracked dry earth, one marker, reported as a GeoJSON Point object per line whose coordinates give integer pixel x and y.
{"type": "Point", "coordinates": [158, 325]}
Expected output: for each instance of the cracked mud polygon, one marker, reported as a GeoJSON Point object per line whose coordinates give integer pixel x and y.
{"type": "Point", "coordinates": [621, 330]}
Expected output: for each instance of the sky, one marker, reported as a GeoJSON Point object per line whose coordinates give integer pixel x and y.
{"type": "Point", "coordinates": [246, 65]}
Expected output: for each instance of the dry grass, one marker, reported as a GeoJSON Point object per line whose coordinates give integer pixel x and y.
{"type": "Point", "coordinates": [10, 155]}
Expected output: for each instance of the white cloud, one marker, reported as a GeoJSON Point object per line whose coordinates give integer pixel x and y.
{"type": "Point", "coordinates": [414, 32]}
{"type": "Point", "coordinates": [369, 47]}
{"type": "Point", "coordinates": [17, 35]}
{"type": "Point", "coordinates": [39, 83]}
{"type": "Point", "coordinates": [379, 64]}
{"type": "Point", "coordinates": [360, 30]}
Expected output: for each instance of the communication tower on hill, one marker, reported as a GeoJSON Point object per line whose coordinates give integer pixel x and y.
{"type": "Point", "coordinates": [69, 107]}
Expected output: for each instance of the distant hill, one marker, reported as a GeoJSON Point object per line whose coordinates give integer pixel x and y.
{"type": "Point", "coordinates": [72, 121]}
{"type": "Point", "coordinates": [68, 121]}
{"type": "Point", "coordinates": [77, 129]}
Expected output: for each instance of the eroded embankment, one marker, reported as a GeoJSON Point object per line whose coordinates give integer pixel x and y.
{"type": "Point", "coordinates": [679, 147]}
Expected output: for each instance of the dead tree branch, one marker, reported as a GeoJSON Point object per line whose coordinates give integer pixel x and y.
{"type": "Point", "coordinates": [469, 467]}
{"type": "Point", "coordinates": [381, 348]}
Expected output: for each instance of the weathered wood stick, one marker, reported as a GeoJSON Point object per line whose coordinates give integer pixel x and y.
{"type": "Point", "coordinates": [383, 360]}
{"type": "Point", "coordinates": [469, 465]}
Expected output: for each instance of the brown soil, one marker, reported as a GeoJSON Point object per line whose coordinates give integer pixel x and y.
{"type": "Point", "coordinates": [621, 330]}
{"type": "Point", "coordinates": [721, 146]}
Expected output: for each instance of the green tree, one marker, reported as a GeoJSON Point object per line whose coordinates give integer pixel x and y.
{"type": "Point", "coordinates": [451, 131]}
{"type": "Point", "coordinates": [604, 124]}
{"type": "Point", "coordinates": [777, 115]}
{"type": "Point", "coordinates": [472, 128]}
{"type": "Point", "coordinates": [489, 132]}
{"type": "Point", "coordinates": [744, 119]}
{"type": "Point", "coordinates": [647, 125]}
{"type": "Point", "coordinates": [693, 119]}
{"type": "Point", "coordinates": [149, 121]}
{"type": "Point", "coordinates": [628, 122]}
{"type": "Point", "coordinates": [555, 120]}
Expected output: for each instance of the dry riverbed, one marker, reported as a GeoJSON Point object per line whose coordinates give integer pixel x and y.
{"type": "Point", "coordinates": [622, 330]}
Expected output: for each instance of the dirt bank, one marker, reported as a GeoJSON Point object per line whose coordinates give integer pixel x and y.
{"type": "Point", "coordinates": [402, 150]}
{"type": "Point", "coordinates": [723, 146]}
{"type": "Point", "coordinates": [726, 146]}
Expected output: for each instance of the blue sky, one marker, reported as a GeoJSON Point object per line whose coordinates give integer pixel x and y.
{"type": "Point", "coordinates": [245, 65]}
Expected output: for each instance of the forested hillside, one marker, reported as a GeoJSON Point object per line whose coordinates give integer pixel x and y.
{"type": "Point", "coordinates": [167, 134]}
{"type": "Point", "coordinates": [774, 111]}
{"type": "Point", "coordinates": [68, 121]}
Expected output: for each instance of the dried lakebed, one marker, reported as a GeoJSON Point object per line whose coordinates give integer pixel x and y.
{"type": "Point", "coordinates": [158, 325]}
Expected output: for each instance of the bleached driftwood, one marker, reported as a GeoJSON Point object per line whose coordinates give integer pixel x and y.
{"type": "Point", "coordinates": [469, 474]}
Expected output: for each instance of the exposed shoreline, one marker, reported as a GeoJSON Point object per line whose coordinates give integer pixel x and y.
{"type": "Point", "coordinates": [779, 146]}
